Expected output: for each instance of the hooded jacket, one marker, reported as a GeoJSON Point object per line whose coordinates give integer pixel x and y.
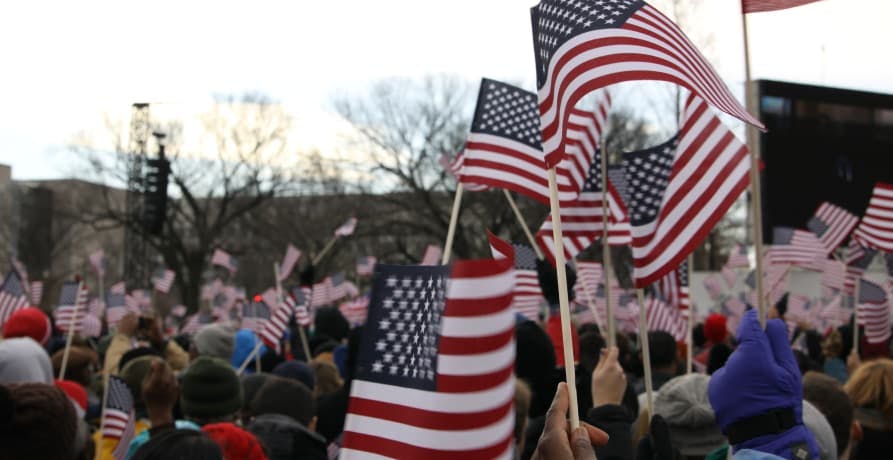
{"type": "Point", "coordinates": [285, 438]}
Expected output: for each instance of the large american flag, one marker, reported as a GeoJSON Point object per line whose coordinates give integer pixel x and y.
{"type": "Point", "coordinates": [528, 297]}
{"type": "Point", "coordinates": [435, 370]}
{"type": "Point", "coordinates": [273, 330]}
{"type": "Point", "coordinates": [163, 280]}
{"type": "Point", "coordinates": [759, 6]}
{"type": "Point", "coordinates": [679, 190]}
{"type": "Point", "coordinates": [347, 228]}
{"type": "Point", "coordinates": [831, 224]}
{"type": "Point", "coordinates": [586, 45]}
{"type": "Point", "coordinates": [582, 220]}
{"type": "Point", "coordinates": [12, 296]}
{"type": "Point", "coordinates": [455, 166]}
{"type": "Point", "coordinates": [292, 255]}
{"type": "Point", "coordinates": [876, 228]}
{"type": "Point", "coordinates": [365, 265]}
{"type": "Point", "coordinates": [72, 306]}
{"type": "Point", "coordinates": [503, 148]}
{"type": "Point", "coordinates": [223, 259]}
{"type": "Point", "coordinates": [873, 311]}
{"type": "Point", "coordinates": [795, 246]}
{"type": "Point", "coordinates": [432, 255]}
{"type": "Point", "coordinates": [673, 288]}
{"type": "Point", "coordinates": [119, 422]}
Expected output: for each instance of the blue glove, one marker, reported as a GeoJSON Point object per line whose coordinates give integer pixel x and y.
{"type": "Point", "coordinates": [760, 377]}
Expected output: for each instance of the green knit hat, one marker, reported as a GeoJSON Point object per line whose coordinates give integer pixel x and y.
{"type": "Point", "coordinates": [210, 389]}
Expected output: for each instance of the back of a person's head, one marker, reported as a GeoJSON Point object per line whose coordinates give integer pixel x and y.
{"type": "Point", "coordinates": [37, 421]}
{"type": "Point", "coordinates": [591, 344]}
{"type": "Point", "coordinates": [548, 280]}
{"type": "Point", "coordinates": [215, 340]}
{"type": "Point", "coordinates": [715, 330]}
{"type": "Point", "coordinates": [535, 364]}
{"type": "Point", "coordinates": [871, 387]}
{"type": "Point", "coordinates": [82, 364]}
{"type": "Point", "coordinates": [210, 391]}
{"type": "Point", "coordinates": [522, 407]}
{"type": "Point", "coordinates": [717, 357]}
{"type": "Point", "coordinates": [134, 373]}
{"type": "Point", "coordinates": [296, 370]}
{"type": "Point", "coordinates": [285, 397]}
{"type": "Point", "coordinates": [331, 322]}
{"type": "Point", "coordinates": [684, 405]}
{"type": "Point", "coordinates": [23, 360]}
{"type": "Point", "coordinates": [697, 335]}
{"type": "Point", "coordinates": [328, 380]}
{"type": "Point", "coordinates": [135, 353]}
{"type": "Point", "coordinates": [235, 442]}
{"type": "Point", "coordinates": [28, 322]}
{"type": "Point", "coordinates": [662, 347]}
{"type": "Point", "coordinates": [827, 395]}
{"type": "Point", "coordinates": [179, 445]}
{"type": "Point", "coordinates": [251, 384]}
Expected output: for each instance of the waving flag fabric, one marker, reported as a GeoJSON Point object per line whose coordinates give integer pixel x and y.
{"type": "Point", "coordinates": [347, 228]}
{"type": "Point", "coordinates": [164, 280]}
{"type": "Point", "coordinates": [664, 317]}
{"type": "Point", "coordinates": [120, 418]}
{"type": "Point", "coordinates": [365, 265]}
{"type": "Point", "coordinates": [72, 306]}
{"type": "Point", "coordinates": [876, 229]}
{"type": "Point", "coordinates": [12, 296]}
{"type": "Point", "coordinates": [292, 255]}
{"type": "Point", "coordinates": [273, 330]}
{"type": "Point", "coordinates": [432, 255]}
{"type": "Point", "coordinates": [738, 257]}
{"type": "Point", "coordinates": [832, 224]}
{"type": "Point", "coordinates": [222, 259]}
{"type": "Point", "coordinates": [794, 246]}
{"type": "Point", "coordinates": [255, 315]}
{"type": "Point", "coordinates": [759, 6]}
{"type": "Point", "coordinates": [528, 297]}
{"type": "Point", "coordinates": [857, 259]}
{"type": "Point", "coordinates": [455, 167]}
{"type": "Point", "coordinates": [874, 311]}
{"type": "Point", "coordinates": [673, 288]}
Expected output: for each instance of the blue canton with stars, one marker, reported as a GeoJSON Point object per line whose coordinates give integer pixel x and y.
{"type": "Point", "coordinates": [525, 258]}
{"type": "Point", "coordinates": [557, 21]}
{"type": "Point", "coordinates": [401, 336]}
{"type": "Point", "coordinates": [617, 176]}
{"type": "Point", "coordinates": [508, 111]}
{"type": "Point", "coordinates": [817, 226]}
{"type": "Point", "coordinates": [683, 273]}
{"type": "Point", "coordinates": [593, 182]}
{"type": "Point", "coordinates": [647, 177]}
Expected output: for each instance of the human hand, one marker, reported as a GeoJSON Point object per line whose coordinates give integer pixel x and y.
{"type": "Point", "coordinates": [160, 391]}
{"type": "Point", "coordinates": [153, 333]}
{"type": "Point", "coordinates": [128, 324]}
{"type": "Point", "coordinates": [853, 361]}
{"type": "Point", "coordinates": [557, 440]}
{"type": "Point", "coordinates": [656, 445]}
{"type": "Point", "coordinates": [608, 379]}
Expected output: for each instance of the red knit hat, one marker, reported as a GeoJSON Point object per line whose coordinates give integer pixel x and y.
{"type": "Point", "coordinates": [235, 442]}
{"type": "Point", "coordinates": [28, 322]}
{"type": "Point", "coordinates": [715, 328]}
{"type": "Point", "coordinates": [76, 394]}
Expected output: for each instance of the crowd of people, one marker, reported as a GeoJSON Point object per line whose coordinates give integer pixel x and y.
{"type": "Point", "coordinates": [751, 394]}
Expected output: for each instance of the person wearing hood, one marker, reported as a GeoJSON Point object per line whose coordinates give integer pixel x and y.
{"type": "Point", "coordinates": [24, 360]}
{"type": "Point", "coordinates": [246, 340]}
{"type": "Point", "coordinates": [285, 420]}
{"type": "Point", "coordinates": [214, 340]}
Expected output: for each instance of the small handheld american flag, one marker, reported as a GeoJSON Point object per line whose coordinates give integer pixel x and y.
{"type": "Point", "coordinates": [72, 306]}
{"type": "Point", "coordinates": [119, 419]}
{"type": "Point", "coordinates": [12, 296]}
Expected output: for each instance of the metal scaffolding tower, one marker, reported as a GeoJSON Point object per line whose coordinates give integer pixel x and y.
{"type": "Point", "coordinates": [135, 270]}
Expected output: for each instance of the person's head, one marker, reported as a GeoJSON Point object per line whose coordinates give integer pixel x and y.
{"type": "Point", "coordinates": [235, 442]}
{"type": "Point", "coordinates": [28, 322]}
{"type": "Point", "coordinates": [684, 405]}
{"type": "Point", "coordinates": [697, 335]}
{"type": "Point", "coordinates": [214, 340]}
{"type": "Point", "coordinates": [133, 373]}
{"type": "Point", "coordinates": [548, 280]}
{"type": "Point", "coordinates": [780, 308]}
{"type": "Point", "coordinates": [591, 344]}
{"type": "Point", "coordinates": [298, 371]}
{"type": "Point", "coordinates": [870, 389]}
{"type": "Point", "coordinates": [82, 364]}
{"type": "Point", "coordinates": [662, 347]}
{"type": "Point", "coordinates": [37, 421]}
{"type": "Point", "coordinates": [24, 360]}
{"type": "Point", "coordinates": [328, 380]}
{"type": "Point", "coordinates": [522, 407]}
{"type": "Point", "coordinates": [827, 395]}
{"type": "Point", "coordinates": [245, 342]}
{"type": "Point", "coordinates": [210, 391]}
{"type": "Point", "coordinates": [832, 346]}
{"type": "Point", "coordinates": [330, 322]}
{"type": "Point", "coordinates": [715, 328]}
{"type": "Point", "coordinates": [717, 357]}
{"type": "Point", "coordinates": [535, 364]}
{"type": "Point", "coordinates": [251, 384]}
{"type": "Point", "coordinates": [135, 353]}
{"type": "Point", "coordinates": [179, 445]}
{"type": "Point", "coordinates": [286, 397]}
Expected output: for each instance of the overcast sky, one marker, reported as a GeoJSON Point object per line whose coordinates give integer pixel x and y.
{"type": "Point", "coordinates": [65, 64]}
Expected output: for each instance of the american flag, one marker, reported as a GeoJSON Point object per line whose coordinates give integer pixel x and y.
{"type": "Point", "coordinates": [455, 167]}
{"type": "Point", "coordinates": [774, 280]}
{"type": "Point", "coordinates": [503, 148]}
{"type": "Point", "coordinates": [729, 275]}
{"type": "Point", "coordinates": [795, 246]}
{"type": "Point", "coordinates": [435, 370]}
{"type": "Point", "coordinates": [589, 276]}
{"type": "Point", "coordinates": [833, 274]}
{"type": "Point", "coordinates": [303, 315]}
{"type": "Point", "coordinates": [331, 289]}
{"type": "Point", "coordinates": [120, 418]}
{"type": "Point", "coordinates": [164, 280]}
{"type": "Point", "coordinates": [664, 317]}
{"type": "Point", "coordinates": [22, 271]}
{"type": "Point", "coordinates": [255, 315]}
{"type": "Point", "coordinates": [432, 255]}
{"type": "Point", "coordinates": [831, 224]}
{"type": "Point", "coordinates": [681, 189]}
{"type": "Point", "coordinates": [355, 311]}
{"type": "Point", "coordinates": [91, 326]}
{"type": "Point", "coordinates": [118, 288]}
{"type": "Point", "coordinates": [97, 260]}
{"type": "Point", "coordinates": [873, 311]}
{"type": "Point", "coordinates": [195, 322]}
{"type": "Point", "coordinates": [738, 257]}
{"type": "Point", "coordinates": [734, 308]}
{"type": "Point", "coordinates": [273, 330]}
{"type": "Point", "coordinates": [876, 228]}
{"type": "Point", "coordinates": [857, 259]}
{"type": "Point", "coordinates": [321, 293]}
{"type": "Point", "coordinates": [12, 296]}
{"type": "Point", "coordinates": [222, 259]}
{"type": "Point", "coordinates": [139, 300]}
{"type": "Point", "coordinates": [292, 255]}
{"type": "Point", "coordinates": [798, 311]}
{"type": "Point", "coordinates": [210, 290]}
{"type": "Point", "coordinates": [365, 265]}
{"type": "Point", "coordinates": [36, 292]}
{"type": "Point", "coordinates": [582, 220]}
{"type": "Point", "coordinates": [72, 306]}
{"type": "Point", "coordinates": [527, 296]}
{"type": "Point", "coordinates": [759, 6]}
{"type": "Point", "coordinates": [347, 228]}
{"type": "Point", "coordinates": [833, 314]}
{"type": "Point", "coordinates": [179, 311]}
{"type": "Point", "coordinates": [586, 45]}
{"type": "Point", "coordinates": [116, 307]}
{"type": "Point", "coordinates": [673, 288]}
{"type": "Point", "coordinates": [714, 286]}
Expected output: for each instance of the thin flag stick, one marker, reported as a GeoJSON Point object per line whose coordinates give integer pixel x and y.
{"type": "Point", "coordinates": [563, 300]}
{"type": "Point", "coordinates": [250, 357]}
{"type": "Point", "coordinates": [451, 232]}
{"type": "Point", "coordinates": [592, 306]}
{"type": "Point", "coordinates": [536, 247]}
{"type": "Point", "coordinates": [325, 249]}
{"type": "Point", "coordinates": [71, 327]}
{"type": "Point", "coordinates": [856, 294]}
{"type": "Point", "coordinates": [105, 400]}
{"type": "Point", "coordinates": [606, 248]}
{"type": "Point", "coordinates": [689, 338]}
{"type": "Point", "coordinates": [756, 205]}
{"type": "Point", "coordinates": [646, 353]}
{"type": "Point", "coordinates": [300, 328]}
{"type": "Point", "coordinates": [257, 348]}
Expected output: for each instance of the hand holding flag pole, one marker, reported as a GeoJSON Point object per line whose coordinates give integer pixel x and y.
{"type": "Point", "coordinates": [606, 248]}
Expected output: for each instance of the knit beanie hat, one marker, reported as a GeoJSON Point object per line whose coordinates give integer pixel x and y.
{"type": "Point", "coordinates": [251, 384]}
{"type": "Point", "coordinates": [210, 389]}
{"type": "Point", "coordinates": [235, 442]}
{"type": "Point", "coordinates": [81, 360]}
{"type": "Point", "coordinates": [134, 372]}
{"type": "Point", "coordinates": [296, 370]}
{"type": "Point", "coordinates": [215, 340]}
{"type": "Point", "coordinates": [36, 422]}
{"type": "Point", "coordinates": [28, 322]}
{"type": "Point", "coordinates": [684, 405]}
{"type": "Point", "coordinates": [285, 397]}
{"type": "Point", "coordinates": [715, 328]}
{"type": "Point", "coordinates": [24, 360]}
{"type": "Point", "coordinates": [76, 394]}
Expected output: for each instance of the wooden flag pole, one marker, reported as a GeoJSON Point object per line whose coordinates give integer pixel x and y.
{"type": "Point", "coordinates": [536, 247]}
{"type": "Point", "coordinates": [689, 337]}
{"type": "Point", "coordinates": [646, 353]}
{"type": "Point", "coordinates": [606, 248]}
{"type": "Point", "coordinates": [301, 332]}
{"type": "Point", "coordinates": [257, 347]}
{"type": "Point", "coordinates": [563, 301]}
{"type": "Point", "coordinates": [250, 357]}
{"type": "Point", "coordinates": [71, 328]}
{"type": "Point", "coordinates": [451, 232]}
{"type": "Point", "coordinates": [325, 249]}
{"type": "Point", "coordinates": [856, 293]}
{"type": "Point", "coordinates": [592, 306]}
{"type": "Point", "coordinates": [756, 205]}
